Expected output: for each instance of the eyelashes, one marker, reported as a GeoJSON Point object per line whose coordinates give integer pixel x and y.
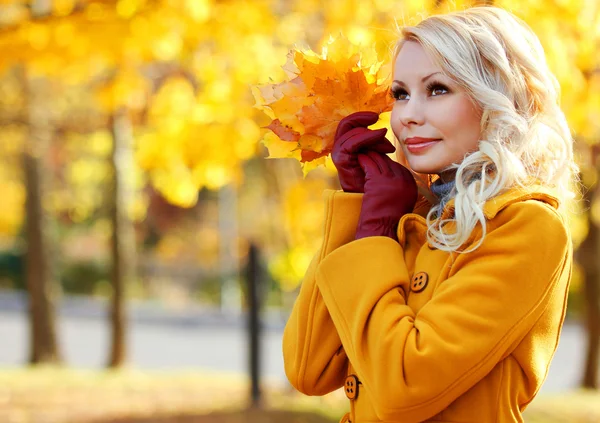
{"type": "Point", "coordinates": [398, 93]}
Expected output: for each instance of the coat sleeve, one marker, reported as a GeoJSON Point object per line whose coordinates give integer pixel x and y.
{"type": "Point", "coordinates": [415, 365]}
{"type": "Point", "coordinates": [314, 360]}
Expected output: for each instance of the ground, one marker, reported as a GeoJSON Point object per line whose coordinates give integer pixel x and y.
{"type": "Point", "coordinates": [53, 395]}
{"type": "Point", "coordinates": [250, 416]}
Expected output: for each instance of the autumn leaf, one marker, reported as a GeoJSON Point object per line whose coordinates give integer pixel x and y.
{"type": "Point", "coordinates": [320, 91]}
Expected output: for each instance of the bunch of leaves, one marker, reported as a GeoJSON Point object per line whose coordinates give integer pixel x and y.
{"type": "Point", "coordinates": [321, 90]}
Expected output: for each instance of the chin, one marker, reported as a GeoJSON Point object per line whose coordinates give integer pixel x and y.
{"type": "Point", "coordinates": [428, 163]}
{"type": "Point", "coordinates": [424, 166]}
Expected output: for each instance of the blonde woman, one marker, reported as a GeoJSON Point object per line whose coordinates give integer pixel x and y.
{"type": "Point", "coordinates": [447, 309]}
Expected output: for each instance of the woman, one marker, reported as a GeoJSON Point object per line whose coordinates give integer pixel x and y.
{"type": "Point", "coordinates": [447, 310]}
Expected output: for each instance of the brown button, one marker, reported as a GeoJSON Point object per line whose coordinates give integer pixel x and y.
{"type": "Point", "coordinates": [419, 282]}
{"type": "Point", "coordinates": [351, 387]}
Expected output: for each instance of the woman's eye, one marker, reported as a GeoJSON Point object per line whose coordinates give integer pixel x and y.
{"type": "Point", "coordinates": [398, 94]}
{"type": "Point", "coordinates": [437, 89]}
{"type": "Point", "coordinates": [434, 89]}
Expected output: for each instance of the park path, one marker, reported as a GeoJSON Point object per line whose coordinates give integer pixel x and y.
{"type": "Point", "coordinates": [175, 340]}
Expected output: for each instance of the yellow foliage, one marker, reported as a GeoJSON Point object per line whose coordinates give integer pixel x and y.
{"type": "Point", "coordinates": [289, 266]}
{"type": "Point", "coordinates": [577, 278]}
{"type": "Point", "coordinates": [13, 14]}
{"type": "Point", "coordinates": [199, 10]}
{"type": "Point", "coordinates": [177, 185]}
{"type": "Point", "coordinates": [128, 89]}
{"type": "Point", "coordinates": [320, 91]}
{"type": "Point", "coordinates": [62, 7]}
{"type": "Point", "coordinates": [199, 137]}
{"type": "Point", "coordinates": [83, 171]}
{"type": "Point", "coordinates": [127, 8]}
{"type": "Point", "coordinates": [175, 100]}
{"type": "Point", "coordinates": [12, 212]}
{"type": "Point", "coordinates": [12, 140]}
{"type": "Point", "coordinates": [13, 204]}
{"type": "Point", "coordinates": [201, 127]}
{"type": "Point", "coordinates": [100, 143]}
{"type": "Point", "coordinates": [303, 212]}
{"type": "Point", "coordinates": [278, 148]}
{"type": "Point", "coordinates": [88, 176]}
{"type": "Point", "coordinates": [303, 209]}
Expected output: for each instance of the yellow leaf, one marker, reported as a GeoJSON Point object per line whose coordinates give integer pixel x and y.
{"type": "Point", "coordinates": [321, 90]}
{"type": "Point", "coordinates": [315, 163]}
{"type": "Point", "coordinates": [278, 148]}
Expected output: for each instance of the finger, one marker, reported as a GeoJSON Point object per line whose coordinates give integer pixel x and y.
{"type": "Point", "coordinates": [367, 164]}
{"type": "Point", "coordinates": [398, 170]}
{"type": "Point", "coordinates": [380, 161]}
{"type": "Point", "coordinates": [383, 146]}
{"type": "Point", "coordinates": [362, 138]}
{"type": "Point", "coordinates": [362, 119]}
{"type": "Point", "coordinates": [370, 164]}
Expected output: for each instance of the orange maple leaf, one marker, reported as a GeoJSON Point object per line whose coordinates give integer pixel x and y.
{"type": "Point", "coordinates": [321, 90]}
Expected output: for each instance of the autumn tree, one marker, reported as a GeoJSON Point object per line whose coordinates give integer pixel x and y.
{"type": "Point", "coordinates": [172, 78]}
{"type": "Point", "coordinates": [127, 51]}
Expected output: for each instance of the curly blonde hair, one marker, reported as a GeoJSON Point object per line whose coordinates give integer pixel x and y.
{"type": "Point", "coordinates": [500, 63]}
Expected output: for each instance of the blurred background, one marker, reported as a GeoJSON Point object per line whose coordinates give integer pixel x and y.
{"type": "Point", "coordinates": [150, 252]}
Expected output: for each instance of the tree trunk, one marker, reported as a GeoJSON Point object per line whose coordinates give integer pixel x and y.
{"type": "Point", "coordinates": [39, 260]}
{"type": "Point", "coordinates": [589, 250]}
{"type": "Point", "coordinates": [123, 234]}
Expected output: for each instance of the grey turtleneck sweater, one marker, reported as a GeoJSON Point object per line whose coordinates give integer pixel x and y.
{"type": "Point", "coordinates": [442, 191]}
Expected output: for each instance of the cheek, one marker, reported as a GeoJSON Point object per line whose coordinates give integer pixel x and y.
{"type": "Point", "coordinates": [395, 122]}
{"type": "Point", "coordinates": [460, 123]}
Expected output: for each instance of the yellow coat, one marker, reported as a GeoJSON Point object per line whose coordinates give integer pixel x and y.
{"type": "Point", "coordinates": [425, 336]}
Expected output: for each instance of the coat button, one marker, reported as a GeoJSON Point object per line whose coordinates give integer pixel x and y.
{"type": "Point", "coordinates": [419, 282]}
{"type": "Point", "coordinates": [351, 387]}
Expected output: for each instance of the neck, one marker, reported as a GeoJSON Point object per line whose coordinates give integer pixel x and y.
{"type": "Point", "coordinates": [441, 189]}
{"type": "Point", "coordinates": [447, 176]}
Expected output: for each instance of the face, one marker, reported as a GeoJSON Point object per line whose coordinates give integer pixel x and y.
{"type": "Point", "coordinates": [433, 118]}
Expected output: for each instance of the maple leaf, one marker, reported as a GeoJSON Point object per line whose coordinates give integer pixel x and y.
{"type": "Point", "coordinates": [320, 91]}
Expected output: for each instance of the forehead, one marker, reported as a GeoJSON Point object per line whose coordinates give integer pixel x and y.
{"type": "Point", "coordinates": [413, 62]}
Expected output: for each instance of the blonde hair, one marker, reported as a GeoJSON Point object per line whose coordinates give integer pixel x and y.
{"type": "Point", "coordinates": [500, 63]}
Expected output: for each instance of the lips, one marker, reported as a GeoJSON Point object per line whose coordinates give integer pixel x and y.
{"type": "Point", "coordinates": [416, 145]}
{"type": "Point", "coordinates": [419, 140]}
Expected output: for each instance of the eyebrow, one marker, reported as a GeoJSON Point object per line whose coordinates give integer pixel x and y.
{"type": "Point", "coordinates": [425, 78]}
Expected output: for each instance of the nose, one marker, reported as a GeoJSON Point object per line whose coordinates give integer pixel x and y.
{"type": "Point", "coordinates": [411, 112]}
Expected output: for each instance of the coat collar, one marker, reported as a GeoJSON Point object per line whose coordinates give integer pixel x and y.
{"type": "Point", "coordinates": [530, 192]}
{"type": "Point", "coordinates": [490, 209]}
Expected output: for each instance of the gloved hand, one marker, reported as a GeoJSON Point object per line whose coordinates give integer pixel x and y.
{"type": "Point", "coordinates": [352, 136]}
{"type": "Point", "coordinates": [390, 193]}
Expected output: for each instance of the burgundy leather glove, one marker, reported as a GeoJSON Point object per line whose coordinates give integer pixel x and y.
{"type": "Point", "coordinates": [352, 136]}
{"type": "Point", "coordinates": [390, 193]}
